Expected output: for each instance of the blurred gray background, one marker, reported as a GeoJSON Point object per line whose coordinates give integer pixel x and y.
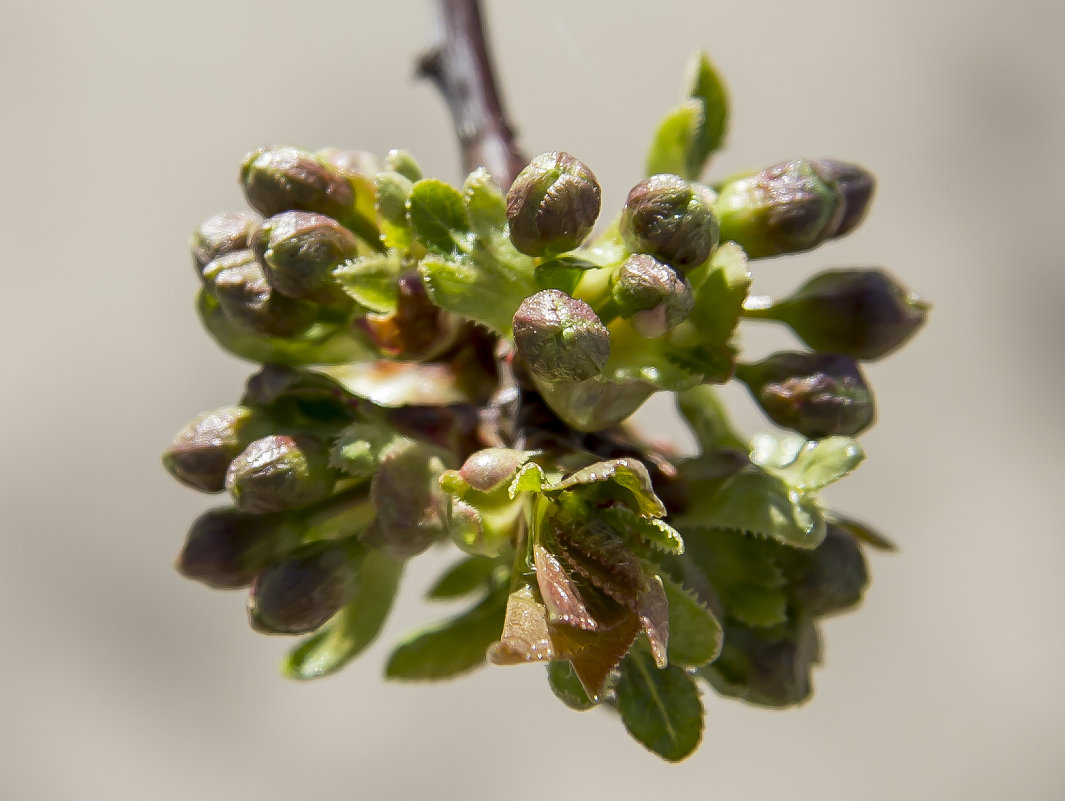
{"type": "Point", "coordinates": [123, 127]}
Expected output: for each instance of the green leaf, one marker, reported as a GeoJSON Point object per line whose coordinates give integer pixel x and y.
{"type": "Point", "coordinates": [393, 192]}
{"type": "Point", "coordinates": [650, 530]}
{"type": "Point", "coordinates": [530, 478]}
{"type": "Point", "coordinates": [756, 501]}
{"type": "Point", "coordinates": [438, 217]}
{"type": "Point", "coordinates": [756, 606]}
{"type": "Point", "coordinates": [672, 149]}
{"type": "Point", "coordinates": [816, 464]}
{"type": "Point", "coordinates": [486, 208]}
{"type": "Point", "coordinates": [629, 475]}
{"type": "Point", "coordinates": [567, 687]}
{"type": "Point", "coordinates": [372, 280]}
{"type": "Point", "coordinates": [355, 626]}
{"type": "Point", "coordinates": [728, 557]}
{"type": "Point", "coordinates": [719, 294]}
{"type": "Point", "coordinates": [707, 88]}
{"type": "Point", "coordinates": [464, 578]}
{"type": "Point", "coordinates": [451, 647]}
{"type": "Point", "coordinates": [479, 285]}
{"type": "Point", "coordinates": [860, 531]}
{"type": "Point", "coordinates": [694, 632]}
{"type": "Point", "coordinates": [660, 708]}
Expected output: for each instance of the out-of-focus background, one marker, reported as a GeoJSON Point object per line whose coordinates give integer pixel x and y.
{"type": "Point", "coordinates": [123, 125]}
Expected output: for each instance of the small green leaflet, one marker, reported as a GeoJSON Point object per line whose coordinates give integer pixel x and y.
{"type": "Point", "coordinates": [372, 280]}
{"type": "Point", "coordinates": [693, 131]}
{"type": "Point", "coordinates": [451, 647]}
{"type": "Point", "coordinates": [567, 687]}
{"type": "Point", "coordinates": [464, 578]}
{"type": "Point", "coordinates": [694, 632]}
{"type": "Point", "coordinates": [438, 217]}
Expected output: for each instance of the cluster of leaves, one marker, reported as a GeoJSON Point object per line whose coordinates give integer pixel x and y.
{"type": "Point", "coordinates": [457, 365]}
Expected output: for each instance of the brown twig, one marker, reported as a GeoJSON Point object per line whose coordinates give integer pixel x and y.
{"type": "Point", "coordinates": [461, 68]}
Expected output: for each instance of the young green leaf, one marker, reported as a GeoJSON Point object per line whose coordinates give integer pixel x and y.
{"type": "Point", "coordinates": [818, 463]}
{"type": "Point", "coordinates": [451, 647]}
{"type": "Point", "coordinates": [708, 90]}
{"type": "Point", "coordinates": [355, 626]}
{"type": "Point", "coordinates": [672, 149]}
{"type": "Point", "coordinates": [438, 217]}
{"type": "Point", "coordinates": [486, 207]}
{"type": "Point", "coordinates": [628, 475]}
{"type": "Point", "coordinates": [464, 578]}
{"type": "Point", "coordinates": [479, 285]}
{"type": "Point", "coordinates": [658, 534]}
{"type": "Point", "coordinates": [756, 501]}
{"type": "Point", "coordinates": [660, 708]}
{"type": "Point", "coordinates": [567, 687]}
{"type": "Point", "coordinates": [694, 632]}
{"type": "Point", "coordinates": [372, 280]}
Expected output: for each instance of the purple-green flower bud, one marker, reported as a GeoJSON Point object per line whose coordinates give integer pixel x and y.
{"type": "Point", "coordinates": [200, 453]}
{"type": "Point", "coordinates": [786, 208]}
{"type": "Point", "coordinates": [299, 251]}
{"type": "Point", "coordinates": [855, 185]}
{"type": "Point", "coordinates": [277, 179]}
{"type": "Point", "coordinates": [552, 205]}
{"type": "Point", "coordinates": [560, 337]}
{"type": "Point", "coordinates": [239, 283]}
{"type": "Point", "coordinates": [226, 548]}
{"type": "Point", "coordinates": [670, 219]}
{"type": "Point", "coordinates": [817, 394]}
{"type": "Point", "coordinates": [279, 472]}
{"type": "Point", "coordinates": [831, 577]}
{"type": "Point", "coordinates": [654, 295]}
{"type": "Point", "coordinates": [861, 313]}
{"type": "Point", "coordinates": [302, 591]}
{"type": "Point", "coordinates": [222, 234]}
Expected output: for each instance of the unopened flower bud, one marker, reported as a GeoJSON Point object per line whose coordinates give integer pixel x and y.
{"type": "Point", "coordinates": [226, 548]}
{"type": "Point", "coordinates": [817, 394]}
{"type": "Point", "coordinates": [552, 205]}
{"type": "Point", "coordinates": [302, 591]}
{"type": "Point", "coordinates": [855, 185]}
{"type": "Point", "coordinates": [280, 472]}
{"type": "Point", "coordinates": [670, 219]}
{"type": "Point", "coordinates": [785, 208]}
{"type": "Point", "coordinates": [861, 313]}
{"type": "Point", "coordinates": [830, 577]}
{"type": "Point", "coordinates": [299, 251]}
{"type": "Point", "coordinates": [222, 234]}
{"type": "Point", "coordinates": [200, 453]}
{"type": "Point", "coordinates": [492, 468]}
{"type": "Point", "coordinates": [277, 179]}
{"type": "Point", "coordinates": [239, 283]}
{"type": "Point", "coordinates": [560, 337]}
{"type": "Point", "coordinates": [654, 295]}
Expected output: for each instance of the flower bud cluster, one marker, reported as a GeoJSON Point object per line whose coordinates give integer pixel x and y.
{"type": "Point", "coordinates": [443, 364]}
